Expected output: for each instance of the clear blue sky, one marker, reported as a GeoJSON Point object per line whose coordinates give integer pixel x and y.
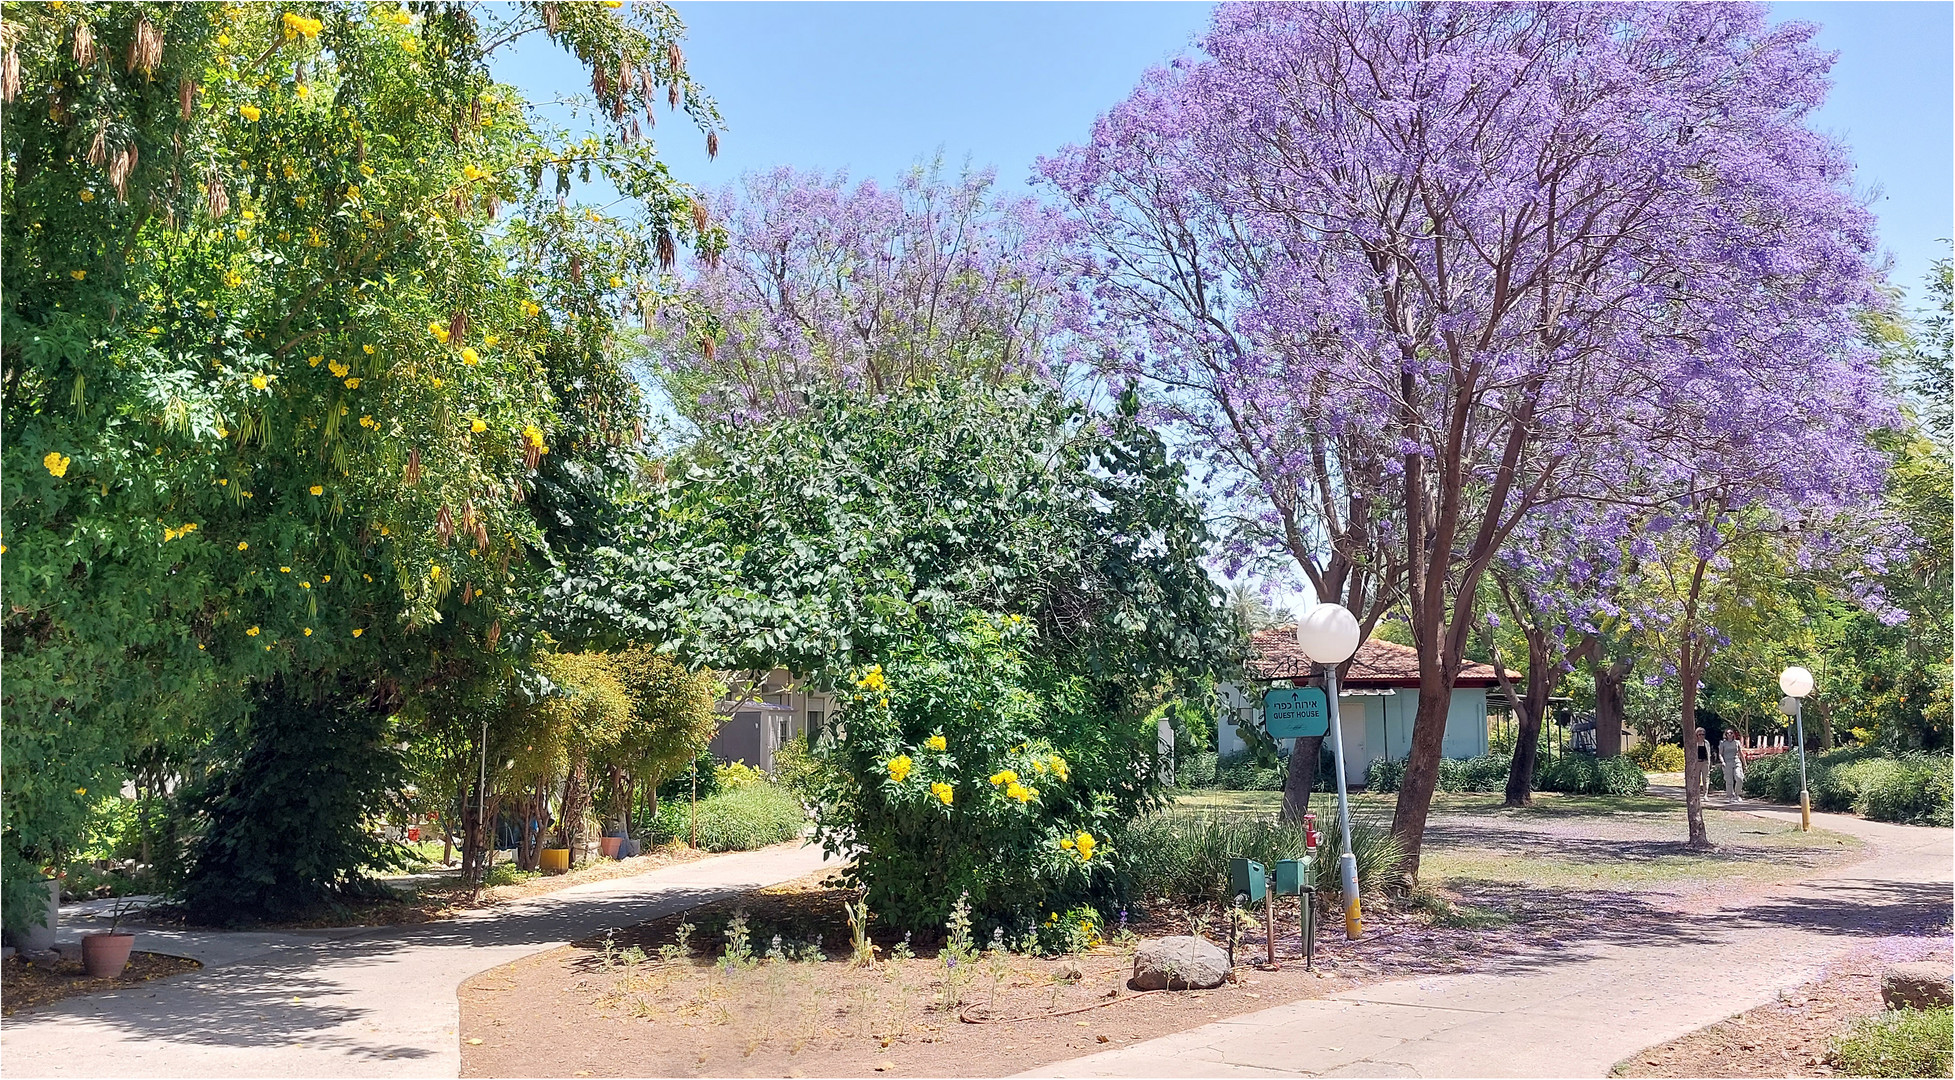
{"type": "Point", "coordinates": [871, 87]}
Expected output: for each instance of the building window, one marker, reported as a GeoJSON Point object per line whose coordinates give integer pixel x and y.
{"type": "Point", "coordinates": [814, 723]}
{"type": "Point", "coordinates": [787, 730]}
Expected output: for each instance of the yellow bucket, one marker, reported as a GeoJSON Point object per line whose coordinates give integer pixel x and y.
{"type": "Point", "coordinates": [556, 860]}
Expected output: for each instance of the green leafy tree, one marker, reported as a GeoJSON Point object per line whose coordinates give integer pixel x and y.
{"type": "Point", "coordinates": [858, 533]}
{"type": "Point", "coordinates": [295, 333]}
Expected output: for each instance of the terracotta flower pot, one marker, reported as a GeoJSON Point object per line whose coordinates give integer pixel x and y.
{"type": "Point", "coordinates": [555, 860]}
{"type": "Point", "coordinates": [609, 845]}
{"type": "Point", "coordinates": [106, 955]}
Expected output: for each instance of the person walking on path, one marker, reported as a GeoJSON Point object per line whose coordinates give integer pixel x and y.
{"type": "Point", "coordinates": [1703, 762]}
{"type": "Point", "coordinates": [1734, 764]}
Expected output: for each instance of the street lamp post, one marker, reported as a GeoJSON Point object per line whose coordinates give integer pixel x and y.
{"type": "Point", "coordinates": [1797, 683]}
{"type": "Point", "coordinates": [1328, 634]}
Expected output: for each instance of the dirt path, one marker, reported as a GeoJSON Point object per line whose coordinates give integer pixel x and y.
{"type": "Point", "coordinates": [362, 1002]}
{"type": "Point", "coordinates": [1578, 1010]}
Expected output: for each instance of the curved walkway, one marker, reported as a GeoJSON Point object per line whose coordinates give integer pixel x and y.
{"type": "Point", "coordinates": [342, 1003]}
{"type": "Point", "coordinates": [1593, 1006]}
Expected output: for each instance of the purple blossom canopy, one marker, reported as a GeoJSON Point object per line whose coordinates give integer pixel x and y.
{"type": "Point", "coordinates": [824, 283]}
{"type": "Point", "coordinates": [1409, 274]}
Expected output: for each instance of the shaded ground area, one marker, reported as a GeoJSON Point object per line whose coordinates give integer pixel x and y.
{"type": "Point", "coordinates": [1793, 1035]}
{"type": "Point", "coordinates": [347, 1002]}
{"type": "Point", "coordinates": [25, 984]}
{"type": "Point", "coordinates": [442, 894]}
{"type": "Point", "coordinates": [1516, 892]}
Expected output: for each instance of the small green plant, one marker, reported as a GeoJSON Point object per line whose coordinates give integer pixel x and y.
{"type": "Point", "coordinates": [1898, 1042]}
{"type": "Point", "coordinates": [957, 955]}
{"type": "Point", "coordinates": [507, 873]}
{"type": "Point", "coordinates": [809, 952]}
{"type": "Point", "coordinates": [683, 947]}
{"type": "Point", "coordinates": [1069, 932]}
{"type": "Point", "coordinates": [774, 952]}
{"type": "Point", "coordinates": [903, 950]}
{"type": "Point", "coordinates": [862, 951]}
{"type": "Point", "coordinates": [739, 947]}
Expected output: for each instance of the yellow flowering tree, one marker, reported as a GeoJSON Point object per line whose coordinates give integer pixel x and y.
{"type": "Point", "coordinates": [301, 285]}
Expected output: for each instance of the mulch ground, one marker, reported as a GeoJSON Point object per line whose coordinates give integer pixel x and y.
{"type": "Point", "coordinates": [1793, 1035]}
{"type": "Point", "coordinates": [27, 984]}
{"type": "Point", "coordinates": [589, 1010]}
{"type": "Point", "coordinates": [585, 1010]}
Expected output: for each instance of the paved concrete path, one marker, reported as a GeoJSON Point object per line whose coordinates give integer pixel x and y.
{"type": "Point", "coordinates": [1577, 1012]}
{"type": "Point", "coordinates": [357, 1002]}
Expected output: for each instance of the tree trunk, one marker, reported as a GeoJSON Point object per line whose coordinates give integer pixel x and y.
{"type": "Point", "coordinates": [1421, 767]}
{"type": "Point", "coordinates": [1301, 777]}
{"type": "Point", "coordinates": [1533, 712]}
{"type": "Point", "coordinates": [1610, 674]}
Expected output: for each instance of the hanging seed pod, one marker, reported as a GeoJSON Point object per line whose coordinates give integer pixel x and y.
{"type": "Point", "coordinates": [414, 466]}
{"type": "Point", "coordinates": [550, 19]}
{"type": "Point", "coordinates": [145, 47]}
{"type": "Point", "coordinates": [576, 269]}
{"type": "Point", "coordinates": [9, 76]}
{"type": "Point", "coordinates": [667, 253]}
{"type": "Point", "coordinates": [475, 113]}
{"type": "Point", "coordinates": [706, 346]}
{"type": "Point", "coordinates": [674, 58]}
{"type": "Point", "coordinates": [481, 535]}
{"type": "Point", "coordinates": [712, 145]}
{"type": "Point", "coordinates": [698, 216]}
{"type": "Point", "coordinates": [217, 200]}
{"type": "Point", "coordinates": [444, 525]}
{"type": "Point", "coordinates": [457, 327]}
{"type": "Point", "coordinates": [495, 632]}
{"type": "Point", "coordinates": [98, 148]}
{"type": "Point", "coordinates": [84, 44]}
{"type": "Point", "coordinates": [186, 98]}
{"type": "Point", "coordinates": [468, 593]}
{"type": "Point", "coordinates": [120, 169]}
{"type": "Point", "coordinates": [672, 95]}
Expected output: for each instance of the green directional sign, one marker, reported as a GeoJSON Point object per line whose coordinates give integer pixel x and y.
{"type": "Point", "coordinates": [1291, 712]}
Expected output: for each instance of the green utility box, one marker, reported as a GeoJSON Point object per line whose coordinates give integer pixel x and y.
{"type": "Point", "coordinates": [1247, 878]}
{"type": "Point", "coordinates": [1293, 876]}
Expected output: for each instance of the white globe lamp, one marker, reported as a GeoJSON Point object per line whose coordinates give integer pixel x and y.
{"type": "Point", "coordinates": [1328, 633]}
{"type": "Point", "coordinates": [1797, 683]}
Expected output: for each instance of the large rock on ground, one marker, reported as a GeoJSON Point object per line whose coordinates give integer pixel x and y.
{"type": "Point", "coordinates": [1179, 963]}
{"type": "Point", "coordinates": [1920, 985]}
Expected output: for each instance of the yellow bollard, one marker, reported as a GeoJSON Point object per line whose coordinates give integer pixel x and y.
{"type": "Point", "coordinates": [1805, 812]}
{"type": "Point", "coordinates": [1353, 920]}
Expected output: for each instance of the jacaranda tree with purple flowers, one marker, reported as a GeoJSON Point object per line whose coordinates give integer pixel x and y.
{"type": "Point", "coordinates": [824, 285]}
{"type": "Point", "coordinates": [1412, 274]}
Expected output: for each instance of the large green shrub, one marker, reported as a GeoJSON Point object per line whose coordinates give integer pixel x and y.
{"type": "Point", "coordinates": [1583, 774]}
{"type": "Point", "coordinates": [1657, 756]}
{"type": "Point", "coordinates": [958, 774]}
{"type": "Point", "coordinates": [287, 806]}
{"type": "Point", "coordinates": [1912, 788]}
{"type": "Point", "coordinates": [1575, 774]}
{"type": "Point", "coordinates": [800, 769]}
{"type": "Point", "coordinates": [738, 818]}
{"type": "Point", "coordinates": [1185, 857]}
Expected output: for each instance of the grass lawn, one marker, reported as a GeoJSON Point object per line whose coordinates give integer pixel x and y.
{"type": "Point", "coordinates": [1607, 842]}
